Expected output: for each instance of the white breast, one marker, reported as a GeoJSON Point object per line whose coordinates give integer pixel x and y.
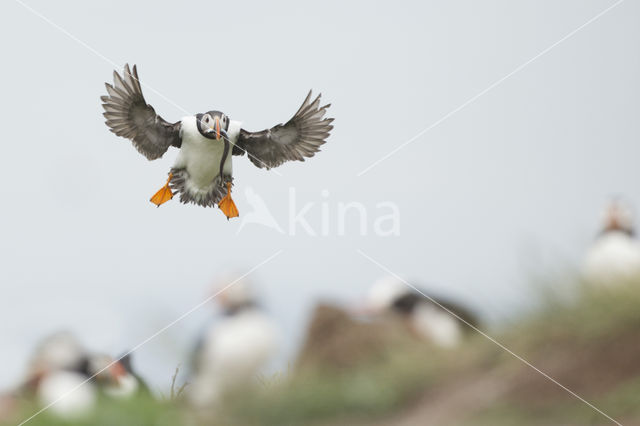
{"type": "Point", "coordinates": [232, 355]}
{"type": "Point", "coordinates": [614, 258]}
{"type": "Point", "coordinates": [127, 386]}
{"type": "Point", "coordinates": [67, 394]}
{"type": "Point", "coordinates": [437, 325]}
{"type": "Point", "coordinates": [201, 156]}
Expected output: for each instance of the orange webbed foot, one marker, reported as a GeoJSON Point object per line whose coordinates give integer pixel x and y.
{"type": "Point", "coordinates": [227, 205]}
{"type": "Point", "coordinates": [164, 194]}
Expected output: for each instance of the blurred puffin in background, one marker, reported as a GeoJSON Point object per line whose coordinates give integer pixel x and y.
{"type": "Point", "coordinates": [202, 173]}
{"type": "Point", "coordinates": [58, 351]}
{"type": "Point", "coordinates": [389, 296]}
{"type": "Point", "coordinates": [58, 377]}
{"type": "Point", "coordinates": [233, 350]}
{"type": "Point", "coordinates": [65, 377]}
{"type": "Point", "coordinates": [614, 256]}
{"type": "Point", "coordinates": [116, 378]}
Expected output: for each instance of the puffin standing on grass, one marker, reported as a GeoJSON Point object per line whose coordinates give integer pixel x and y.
{"type": "Point", "coordinates": [232, 352]}
{"type": "Point", "coordinates": [116, 377]}
{"type": "Point", "coordinates": [202, 173]}
{"type": "Point", "coordinates": [614, 256]}
{"type": "Point", "coordinates": [58, 377]}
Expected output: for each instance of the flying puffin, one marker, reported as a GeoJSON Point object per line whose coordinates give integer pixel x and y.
{"type": "Point", "coordinates": [202, 173]}
{"type": "Point", "coordinates": [614, 257]}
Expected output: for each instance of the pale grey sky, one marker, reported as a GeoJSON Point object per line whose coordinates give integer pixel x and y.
{"type": "Point", "coordinates": [509, 185]}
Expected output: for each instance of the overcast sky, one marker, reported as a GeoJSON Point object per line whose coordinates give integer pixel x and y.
{"type": "Point", "coordinates": [509, 185]}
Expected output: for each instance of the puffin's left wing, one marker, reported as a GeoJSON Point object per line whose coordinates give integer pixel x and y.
{"type": "Point", "coordinates": [297, 139]}
{"type": "Point", "coordinates": [128, 115]}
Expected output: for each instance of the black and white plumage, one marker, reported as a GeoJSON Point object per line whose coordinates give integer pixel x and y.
{"type": "Point", "coordinates": [58, 378]}
{"type": "Point", "coordinates": [72, 392]}
{"type": "Point", "coordinates": [614, 256]}
{"type": "Point", "coordinates": [232, 351]}
{"type": "Point", "coordinates": [202, 173]}
{"type": "Point", "coordinates": [425, 318]}
{"type": "Point", "coordinates": [116, 377]}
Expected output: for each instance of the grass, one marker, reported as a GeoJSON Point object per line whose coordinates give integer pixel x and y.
{"type": "Point", "coordinates": [591, 343]}
{"type": "Point", "coordinates": [139, 411]}
{"type": "Point", "coordinates": [621, 404]}
{"type": "Point", "coordinates": [320, 395]}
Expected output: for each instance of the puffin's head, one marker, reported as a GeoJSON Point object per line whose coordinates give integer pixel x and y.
{"type": "Point", "coordinates": [618, 216]}
{"type": "Point", "coordinates": [212, 124]}
{"type": "Point", "coordinates": [382, 297]}
{"type": "Point", "coordinates": [233, 294]}
{"type": "Point", "coordinates": [114, 376]}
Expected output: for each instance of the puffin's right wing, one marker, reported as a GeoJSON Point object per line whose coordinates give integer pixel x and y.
{"type": "Point", "coordinates": [129, 116]}
{"type": "Point", "coordinates": [297, 139]}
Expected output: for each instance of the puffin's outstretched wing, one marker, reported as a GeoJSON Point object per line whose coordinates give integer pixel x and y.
{"type": "Point", "coordinates": [129, 116]}
{"type": "Point", "coordinates": [297, 139]}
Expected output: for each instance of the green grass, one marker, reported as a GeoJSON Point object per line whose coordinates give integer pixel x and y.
{"type": "Point", "coordinates": [373, 388]}
{"type": "Point", "coordinates": [140, 411]}
{"type": "Point", "coordinates": [394, 381]}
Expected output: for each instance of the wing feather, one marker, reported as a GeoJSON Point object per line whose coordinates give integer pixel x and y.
{"type": "Point", "coordinates": [297, 139]}
{"type": "Point", "coordinates": [128, 115]}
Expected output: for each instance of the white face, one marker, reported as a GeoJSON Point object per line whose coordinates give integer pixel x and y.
{"type": "Point", "coordinates": [234, 295]}
{"type": "Point", "coordinates": [618, 216]}
{"type": "Point", "coordinates": [212, 124]}
{"type": "Point", "coordinates": [61, 350]}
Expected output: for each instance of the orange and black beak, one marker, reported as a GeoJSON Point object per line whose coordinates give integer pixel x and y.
{"type": "Point", "coordinates": [217, 128]}
{"type": "Point", "coordinates": [117, 371]}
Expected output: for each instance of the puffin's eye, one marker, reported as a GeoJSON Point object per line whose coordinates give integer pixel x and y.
{"type": "Point", "coordinates": [206, 119]}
